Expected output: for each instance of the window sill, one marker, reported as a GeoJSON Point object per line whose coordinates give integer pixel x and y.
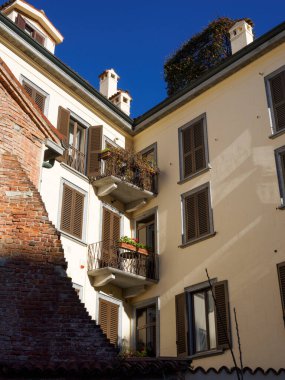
{"type": "Point", "coordinates": [276, 134]}
{"type": "Point", "coordinates": [74, 171]}
{"type": "Point", "coordinates": [188, 243]}
{"type": "Point", "coordinates": [183, 180]}
{"type": "Point", "coordinates": [205, 354]}
{"type": "Point", "coordinates": [75, 239]}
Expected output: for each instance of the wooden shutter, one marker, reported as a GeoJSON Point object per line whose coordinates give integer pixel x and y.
{"type": "Point", "coordinates": [94, 148]}
{"type": "Point", "coordinates": [222, 314]}
{"type": "Point", "coordinates": [72, 211]}
{"type": "Point", "coordinates": [20, 22]}
{"type": "Point", "coordinates": [277, 85]}
{"type": "Point", "coordinates": [39, 38]}
{"type": "Point", "coordinates": [109, 319]}
{"type": "Point", "coordinates": [63, 120]}
{"type": "Point", "coordinates": [110, 235]}
{"type": "Point", "coordinates": [181, 325]}
{"type": "Point", "coordinates": [35, 95]}
{"type": "Point", "coordinates": [197, 214]}
{"type": "Point", "coordinates": [281, 277]}
{"type": "Point", "coordinates": [193, 145]}
{"type": "Point", "coordinates": [28, 89]}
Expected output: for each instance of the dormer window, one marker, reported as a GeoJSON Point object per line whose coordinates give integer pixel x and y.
{"type": "Point", "coordinates": [28, 28]}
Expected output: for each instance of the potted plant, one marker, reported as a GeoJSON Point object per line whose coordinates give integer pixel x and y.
{"type": "Point", "coordinates": [132, 245]}
{"type": "Point", "coordinates": [106, 154]}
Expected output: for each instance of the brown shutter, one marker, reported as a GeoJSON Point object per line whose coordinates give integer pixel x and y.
{"type": "Point", "coordinates": [94, 148]}
{"type": "Point", "coordinates": [222, 314]}
{"type": "Point", "coordinates": [181, 325]}
{"type": "Point", "coordinates": [277, 85]}
{"type": "Point", "coordinates": [66, 209]}
{"type": "Point", "coordinates": [281, 277]}
{"type": "Point", "coordinates": [109, 319]}
{"type": "Point", "coordinates": [193, 145]}
{"type": "Point", "coordinates": [197, 214]}
{"type": "Point", "coordinates": [63, 120]}
{"type": "Point", "coordinates": [39, 38]}
{"type": "Point", "coordinates": [40, 100]}
{"type": "Point", "coordinates": [28, 89]}
{"type": "Point", "coordinates": [72, 211]}
{"type": "Point", "coordinates": [20, 22]}
{"type": "Point", "coordinates": [110, 235]}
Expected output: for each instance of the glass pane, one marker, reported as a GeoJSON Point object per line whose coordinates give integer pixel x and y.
{"type": "Point", "coordinates": [141, 318]}
{"type": "Point", "coordinates": [151, 341]}
{"type": "Point", "coordinates": [150, 237]}
{"type": "Point", "coordinates": [199, 301]}
{"type": "Point", "coordinates": [211, 319]}
{"type": "Point", "coordinates": [71, 132]}
{"type": "Point", "coordinates": [142, 235]}
{"type": "Point", "coordinates": [141, 340]}
{"type": "Point", "coordinates": [151, 315]}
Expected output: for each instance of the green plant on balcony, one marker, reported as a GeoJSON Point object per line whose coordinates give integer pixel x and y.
{"type": "Point", "coordinates": [132, 245]}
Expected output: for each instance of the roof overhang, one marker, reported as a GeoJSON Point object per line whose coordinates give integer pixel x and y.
{"type": "Point", "coordinates": [22, 41]}
{"type": "Point", "coordinates": [39, 16]}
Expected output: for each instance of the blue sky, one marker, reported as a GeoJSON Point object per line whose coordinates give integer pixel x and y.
{"type": "Point", "coordinates": [135, 37]}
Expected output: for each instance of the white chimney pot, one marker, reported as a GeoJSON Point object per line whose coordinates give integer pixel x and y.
{"type": "Point", "coordinates": [240, 35]}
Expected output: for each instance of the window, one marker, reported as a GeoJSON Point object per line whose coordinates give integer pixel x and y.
{"type": "Point", "coordinates": [31, 30]}
{"type": "Point", "coordinates": [72, 211]}
{"type": "Point", "coordinates": [280, 165]}
{"type": "Point", "coordinates": [75, 138]}
{"type": "Point", "coordinates": [202, 319]}
{"type": "Point", "coordinates": [36, 94]}
{"type": "Point", "coordinates": [275, 85]}
{"type": "Point", "coordinates": [197, 214]}
{"type": "Point", "coordinates": [150, 154]}
{"type": "Point", "coordinates": [146, 231]}
{"type": "Point", "coordinates": [281, 277]}
{"type": "Point", "coordinates": [193, 147]}
{"type": "Point", "coordinates": [146, 330]}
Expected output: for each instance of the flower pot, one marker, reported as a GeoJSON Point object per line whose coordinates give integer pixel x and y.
{"type": "Point", "coordinates": [127, 246]}
{"type": "Point", "coordinates": [143, 251]}
{"type": "Point", "coordinates": [106, 155]}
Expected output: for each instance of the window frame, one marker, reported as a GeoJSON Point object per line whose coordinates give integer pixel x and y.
{"type": "Point", "coordinates": [140, 305]}
{"type": "Point", "coordinates": [267, 79]}
{"type": "Point", "coordinates": [84, 217]}
{"type": "Point", "coordinates": [280, 174]}
{"type": "Point", "coordinates": [145, 151]}
{"type": "Point", "coordinates": [148, 213]}
{"type": "Point", "coordinates": [190, 124]}
{"type": "Point", "coordinates": [186, 243]}
{"type": "Point", "coordinates": [24, 80]}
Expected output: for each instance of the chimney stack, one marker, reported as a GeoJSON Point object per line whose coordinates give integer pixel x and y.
{"type": "Point", "coordinates": [109, 88]}
{"type": "Point", "coordinates": [240, 35]}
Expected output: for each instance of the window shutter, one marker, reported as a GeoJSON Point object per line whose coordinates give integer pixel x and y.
{"type": "Point", "coordinates": [193, 145]}
{"type": "Point", "coordinates": [20, 22]}
{"type": "Point", "coordinates": [72, 211]}
{"type": "Point", "coordinates": [94, 148]}
{"type": "Point", "coordinates": [281, 277]}
{"type": "Point", "coordinates": [66, 209]}
{"type": "Point", "coordinates": [181, 325]}
{"type": "Point", "coordinates": [63, 120]}
{"type": "Point", "coordinates": [109, 319]}
{"type": "Point", "coordinates": [222, 314]}
{"type": "Point", "coordinates": [28, 89]}
{"type": "Point", "coordinates": [277, 85]}
{"type": "Point", "coordinates": [197, 215]}
{"type": "Point", "coordinates": [40, 100]}
{"type": "Point", "coordinates": [78, 209]}
{"type": "Point", "coordinates": [39, 38]}
{"type": "Point", "coordinates": [110, 235]}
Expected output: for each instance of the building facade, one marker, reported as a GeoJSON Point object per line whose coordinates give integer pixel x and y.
{"type": "Point", "coordinates": [211, 219]}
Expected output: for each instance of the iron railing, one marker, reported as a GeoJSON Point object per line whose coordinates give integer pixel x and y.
{"type": "Point", "coordinates": [128, 170]}
{"type": "Point", "coordinates": [108, 253]}
{"type": "Point", "coordinates": [75, 159]}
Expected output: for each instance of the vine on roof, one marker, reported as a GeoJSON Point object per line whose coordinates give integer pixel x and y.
{"type": "Point", "coordinates": [202, 52]}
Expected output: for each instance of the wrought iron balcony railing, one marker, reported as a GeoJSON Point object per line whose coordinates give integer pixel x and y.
{"type": "Point", "coordinates": [75, 159]}
{"type": "Point", "coordinates": [130, 167]}
{"type": "Point", "coordinates": [108, 253]}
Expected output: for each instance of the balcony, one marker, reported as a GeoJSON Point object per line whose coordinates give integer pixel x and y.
{"type": "Point", "coordinates": [130, 270]}
{"type": "Point", "coordinates": [127, 177]}
{"type": "Point", "coordinates": [75, 159]}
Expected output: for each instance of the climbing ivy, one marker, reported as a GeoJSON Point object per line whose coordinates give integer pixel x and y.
{"type": "Point", "coordinates": [202, 52]}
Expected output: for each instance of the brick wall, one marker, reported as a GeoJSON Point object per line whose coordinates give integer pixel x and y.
{"type": "Point", "coordinates": [42, 322]}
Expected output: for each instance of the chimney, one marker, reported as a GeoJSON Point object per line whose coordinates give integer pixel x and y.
{"type": "Point", "coordinates": [108, 87]}
{"type": "Point", "coordinates": [108, 83]}
{"type": "Point", "coordinates": [122, 99]}
{"type": "Point", "coordinates": [240, 35]}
